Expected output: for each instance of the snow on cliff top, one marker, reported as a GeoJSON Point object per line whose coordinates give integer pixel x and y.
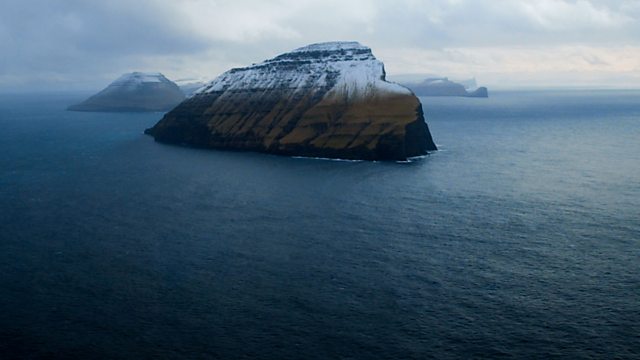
{"type": "Point", "coordinates": [332, 46]}
{"type": "Point", "coordinates": [139, 78]}
{"type": "Point", "coordinates": [359, 73]}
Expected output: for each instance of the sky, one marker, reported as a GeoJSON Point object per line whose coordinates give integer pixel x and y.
{"type": "Point", "coordinates": [85, 44]}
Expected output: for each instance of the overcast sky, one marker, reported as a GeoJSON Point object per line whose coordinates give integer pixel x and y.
{"type": "Point", "coordinates": [84, 44]}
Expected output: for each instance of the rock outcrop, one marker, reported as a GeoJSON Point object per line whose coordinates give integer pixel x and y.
{"type": "Point", "coordinates": [323, 100]}
{"type": "Point", "coordinates": [134, 92]}
{"type": "Point", "coordinates": [445, 87]}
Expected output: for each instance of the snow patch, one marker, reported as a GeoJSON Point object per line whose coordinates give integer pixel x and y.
{"type": "Point", "coordinates": [357, 72]}
{"type": "Point", "coordinates": [331, 46]}
{"type": "Point", "coordinates": [139, 78]}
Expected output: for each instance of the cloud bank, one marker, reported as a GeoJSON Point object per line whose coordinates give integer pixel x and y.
{"type": "Point", "coordinates": [73, 44]}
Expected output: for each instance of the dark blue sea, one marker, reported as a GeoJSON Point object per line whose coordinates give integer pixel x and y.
{"type": "Point", "coordinates": [520, 238]}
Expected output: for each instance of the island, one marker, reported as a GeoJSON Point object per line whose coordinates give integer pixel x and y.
{"type": "Point", "coordinates": [134, 92]}
{"type": "Point", "coordinates": [328, 100]}
{"type": "Point", "coordinates": [445, 87]}
{"type": "Point", "coordinates": [189, 86]}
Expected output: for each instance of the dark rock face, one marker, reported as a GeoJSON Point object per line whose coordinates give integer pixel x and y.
{"type": "Point", "coordinates": [134, 92]}
{"type": "Point", "coordinates": [325, 100]}
{"type": "Point", "coordinates": [445, 87]}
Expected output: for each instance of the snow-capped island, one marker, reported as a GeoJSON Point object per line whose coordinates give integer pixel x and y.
{"type": "Point", "coordinates": [135, 91]}
{"type": "Point", "coordinates": [446, 87]}
{"type": "Point", "coordinates": [326, 100]}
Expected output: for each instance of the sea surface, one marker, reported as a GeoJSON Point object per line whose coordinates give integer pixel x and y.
{"type": "Point", "coordinates": [520, 238]}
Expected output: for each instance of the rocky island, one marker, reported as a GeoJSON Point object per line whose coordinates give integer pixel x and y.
{"type": "Point", "coordinates": [445, 87]}
{"type": "Point", "coordinates": [135, 91]}
{"type": "Point", "coordinates": [326, 100]}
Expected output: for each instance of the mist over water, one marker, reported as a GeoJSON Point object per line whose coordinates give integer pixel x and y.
{"type": "Point", "coordinates": [519, 238]}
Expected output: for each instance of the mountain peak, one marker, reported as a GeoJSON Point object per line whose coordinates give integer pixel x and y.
{"type": "Point", "coordinates": [136, 91]}
{"type": "Point", "coordinates": [349, 68]}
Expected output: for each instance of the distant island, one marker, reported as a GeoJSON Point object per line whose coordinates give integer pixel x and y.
{"type": "Point", "coordinates": [189, 86]}
{"type": "Point", "coordinates": [134, 92]}
{"type": "Point", "coordinates": [445, 87]}
{"type": "Point", "coordinates": [327, 100]}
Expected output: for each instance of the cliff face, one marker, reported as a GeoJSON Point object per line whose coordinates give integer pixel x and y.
{"type": "Point", "coordinates": [322, 100]}
{"type": "Point", "coordinates": [134, 92]}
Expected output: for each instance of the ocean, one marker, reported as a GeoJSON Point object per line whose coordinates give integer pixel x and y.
{"type": "Point", "coordinates": [520, 238]}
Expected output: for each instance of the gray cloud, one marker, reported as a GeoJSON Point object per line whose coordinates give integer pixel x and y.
{"type": "Point", "coordinates": [83, 44]}
{"type": "Point", "coordinates": [67, 40]}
